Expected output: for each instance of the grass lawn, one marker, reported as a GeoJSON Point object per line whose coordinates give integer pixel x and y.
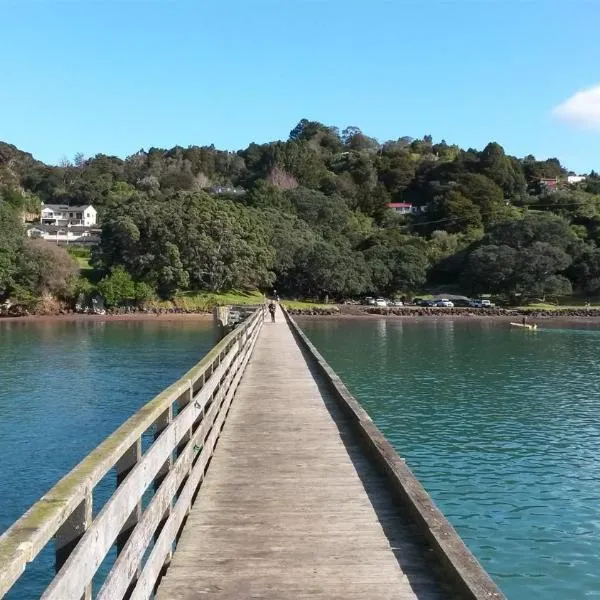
{"type": "Point", "coordinates": [299, 305]}
{"type": "Point", "coordinates": [564, 304]}
{"type": "Point", "coordinates": [83, 262]}
{"type": "Point", "coordinates": [206, 301]}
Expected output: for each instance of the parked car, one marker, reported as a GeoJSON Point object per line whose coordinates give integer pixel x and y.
{"type": "Point", "coordinates": [369, 301]}
{"type": "Point", "coordinates": [444, 303]}
{"type": "Point", "coordinates": [381, 302]}
{"type": "Point", "coordinates": [420, 302]}
{"type": "Point", "coordinates": [462, 302]}
{"type": "Point", "coordinates": [396, 303]}
{"type": "Point", "coordinates": [478, 303]}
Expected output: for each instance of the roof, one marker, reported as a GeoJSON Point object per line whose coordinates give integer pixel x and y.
{"type": "Point", "coordinates": [63, 228]}
{"type": "Point", "coordinates": [64, 207]}
{"type": "Point", "coordinates": [399, 204]}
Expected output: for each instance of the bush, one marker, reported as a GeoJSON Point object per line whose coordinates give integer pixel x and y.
{"type": "Point", "coordinates": [117, 288]}
{"type": "Point", "coordinates": [144, 292]}
{"type": "Point", "coordinates": [45, 268]}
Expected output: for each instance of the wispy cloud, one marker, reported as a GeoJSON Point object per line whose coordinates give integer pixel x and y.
{"type": "Point", "coordinates": [582, 109]}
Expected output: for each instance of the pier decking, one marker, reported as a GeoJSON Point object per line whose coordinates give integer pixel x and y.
{"type": "Point", "coordinates": [290, 507]}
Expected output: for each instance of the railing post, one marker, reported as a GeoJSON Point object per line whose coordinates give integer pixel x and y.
{"type": "Point", "coordinates": [185, 400]}
{"type": "Point", "coordinates": [160, 425]}
{"type": "Point", "coordinates": [70, 532]}
{"type": "Point", "coordinates": [123, 467]}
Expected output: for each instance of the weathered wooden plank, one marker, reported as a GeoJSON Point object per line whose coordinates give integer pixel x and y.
{"type": "Point", "coordinates": [467, 576]}
{"type": "Point", "coordinates": [290, 508]}
{"type": "Point", "coordinates": [151, 571]}
{"type": "Point", "coordinates": [123, 570]}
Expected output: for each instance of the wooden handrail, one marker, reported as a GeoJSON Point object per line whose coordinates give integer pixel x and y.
{"type": "Point", "coordinates": [187, 417]}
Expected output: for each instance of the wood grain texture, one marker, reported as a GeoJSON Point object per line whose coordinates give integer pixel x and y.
{"type": "Point", "coordinates": [290, 507]}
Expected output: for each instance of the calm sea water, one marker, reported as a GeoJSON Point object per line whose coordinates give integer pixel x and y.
{"type": "Point", "coordinates": [502, 427]}
{"type": "Point", "coordinates": [65, 386]}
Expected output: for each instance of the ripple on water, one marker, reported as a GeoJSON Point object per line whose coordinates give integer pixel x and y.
{"type": "Point", "coordinates": [63, 388]}
{"type": "Point", "coordinates": [503, 431]}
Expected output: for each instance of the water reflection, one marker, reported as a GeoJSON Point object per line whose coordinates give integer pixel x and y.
{"type": "Point", "coordinates": [64, 386]}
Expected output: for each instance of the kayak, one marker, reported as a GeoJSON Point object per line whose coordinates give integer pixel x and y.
{"type": "Point", "coordinates": [524, 325]}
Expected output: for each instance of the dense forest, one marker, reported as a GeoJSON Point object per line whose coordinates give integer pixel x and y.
{"type": "Point", "coordinates": [308, 216]}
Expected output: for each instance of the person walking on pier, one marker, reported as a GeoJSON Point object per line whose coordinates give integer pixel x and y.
{"type": "Point", "coordinates": [272, 311]}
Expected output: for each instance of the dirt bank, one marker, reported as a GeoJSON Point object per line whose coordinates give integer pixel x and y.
{"type": "Point", "coordinates": [137, 316]}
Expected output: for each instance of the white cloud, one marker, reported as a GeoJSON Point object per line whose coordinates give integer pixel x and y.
{"type": "Point", "coordinates": [582, 108]}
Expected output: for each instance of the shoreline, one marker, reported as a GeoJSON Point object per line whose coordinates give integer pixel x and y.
{"type": "Point", "coordinates": [344, 314]}
{"type": "Point", "coordinates": [79, 317]}
{"type": "Point", "coordinates": [558, 319]}
{"type": "Point", "coordinates": [467, 316]}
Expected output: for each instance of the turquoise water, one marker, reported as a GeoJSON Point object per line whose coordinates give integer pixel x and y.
{"type": "Point", "coordinates": [502, 427]}
{"type": "Point", "coordinates": [65, 386]}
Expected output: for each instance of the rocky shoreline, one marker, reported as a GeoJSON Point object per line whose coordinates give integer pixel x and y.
{"type": "Point", "coordinates": [120, 313]}
{"type": "Point", "coordinates": [418, 311]}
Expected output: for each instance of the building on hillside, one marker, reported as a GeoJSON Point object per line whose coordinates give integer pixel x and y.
{"type": "Point", "coordinates": [549, 183]}
{"type": "Point", "coordinates": [61, 215]}
{"type": "Point", "coordinates": [65, 235]}
{"type": "Point", "coordinates": [401, 208]}
{"type": "Point", "coordinates": [575, 178]}
{"type": "Point", "coordinates": [406, 208]}
{"type": "Point", "coordinates": [220, 190]}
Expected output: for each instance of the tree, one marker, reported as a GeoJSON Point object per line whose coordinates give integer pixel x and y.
{"type": "Point", "coordinates": [499, 168]}
{"type": "Point", "coordinates": [329, 270]}
{"type": "Point", "coordinates": [485, 194]}
{"type": "Point", "coordinates": [267, 195]}
{"type": "Point", "coordinates": [491, 269]}
{"type": "Point", "coordinates": [117, 288]}
{"type": "Point", "coordinates": [396, 263]}
{"type": "Point", "coordinates": [534, 271]}
{"type": "Point", "coordinates": [11, 241]}
{"type": "Point", "coordinates": [143, 292]}
{"type": "Point", "coordinates": [533, 227]}
{"type": "Point", "coordinates": [453, 212]}
{"type": "Point", "coordinates": [45, 268]}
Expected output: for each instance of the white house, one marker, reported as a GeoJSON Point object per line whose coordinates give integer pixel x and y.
{"type": "Point", "coordinates": [66, 234]}
{"type": "Point", "coordinates": [575, 178]}
{"type": "Point", "coordinates": [61, 215]}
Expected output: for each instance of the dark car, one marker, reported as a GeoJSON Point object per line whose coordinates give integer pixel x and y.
{"type": "Point", "coordinates": [462, 302]}
{"type": "Point", "coordinates": [420, 302]}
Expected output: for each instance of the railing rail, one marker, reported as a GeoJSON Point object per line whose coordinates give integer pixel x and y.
{"type": "Point", "coordinates": [186, 419]}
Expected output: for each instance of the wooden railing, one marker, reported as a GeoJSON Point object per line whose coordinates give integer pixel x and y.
{"type": "Point", "coordinates": [185, 421]}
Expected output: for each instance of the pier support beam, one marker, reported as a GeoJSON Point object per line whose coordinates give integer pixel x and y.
{"type": "Point", "coordinates": [220, 322]}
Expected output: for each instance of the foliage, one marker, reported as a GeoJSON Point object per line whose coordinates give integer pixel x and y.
{"type": "Point", "coordinates": [46, 268]}
{"type": "Point", "coordinates": [117, 288]}
{"type": "Point", "coordinates": [11, 242]}
{"type": "Point", "coordinates": [311, 220]}
{"type": "Point", "coordinates": [206, 301]}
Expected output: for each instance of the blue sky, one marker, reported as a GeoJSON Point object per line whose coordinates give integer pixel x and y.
{"type": "Point", "coordinates": [113, 77]}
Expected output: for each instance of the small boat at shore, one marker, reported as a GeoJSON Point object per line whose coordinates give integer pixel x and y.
{"type": "Point", "coordinates": [524, 326]}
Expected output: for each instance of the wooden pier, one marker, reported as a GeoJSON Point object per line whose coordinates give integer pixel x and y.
{"type": "Point", "coordinates": [281, 487]}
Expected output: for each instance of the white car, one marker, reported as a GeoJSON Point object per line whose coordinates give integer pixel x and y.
{"type": "Point", "coordinates": [381, 302]}
{"type": "Point", "coordinates": [397, 303]}
{"type": "Point", "coordinates": [444, 303]}
{"type": "Point", "coordinates": [482, 304]}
